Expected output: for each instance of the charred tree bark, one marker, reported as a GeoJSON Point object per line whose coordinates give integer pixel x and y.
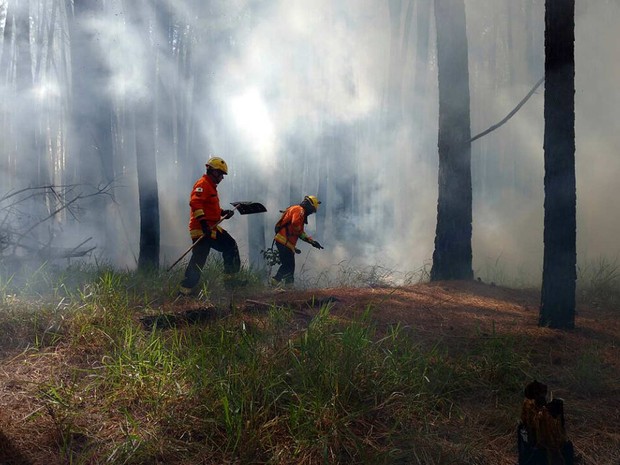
{"type": "Point", "coordinates": [557, 308]}
{"type": "Point", "coordinates": [452, 257]}
{"type": "Point", "coordinates": [147, 188]}
{"type": "Point", "coordinates": [541, 433]}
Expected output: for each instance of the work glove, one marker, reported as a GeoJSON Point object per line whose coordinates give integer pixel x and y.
{"type": "Point", "coordinates": [316, 244]}
{"type": "Point", "coordinates": [227, 214]}
{"type": "Point", "coordinates": [205, 227]}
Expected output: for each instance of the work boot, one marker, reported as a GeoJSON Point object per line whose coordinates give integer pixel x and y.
{"type": "Point", "coordinates": [187, 292]}
{"type": "Point", "coordinates": [280, 285]}
{"type": "Point", "coordinates": [184, 297]}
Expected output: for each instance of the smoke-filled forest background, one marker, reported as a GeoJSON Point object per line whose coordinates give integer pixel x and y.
{"type": "Point", "coordinates": [336, 99]}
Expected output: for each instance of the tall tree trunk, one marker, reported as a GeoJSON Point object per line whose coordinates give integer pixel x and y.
{"type": "Point", "coordinates": [183, 121]}
{"type": "Point", "coordinates": [6, 79]}
{"type": "Point", "coordinates": [91, 134]}
{"type": "Point", "coordinates": [423, 18]}
{"type": "Point", "coordinates": [424, 143]}
{"type": "Point", "coordinates": [393, 110]}
{"type": "Point", "coordinates": [145, 120]}
{"type": "Point", "coordinates": [452, 258]}
{"type": "Point", "coordinates": [25, 113]}
{"type": "Point", "coordinates": [147, 187]}
{"type": "Point", "coordinates": [24, 57]}
{"type": "Point", "coordinates": [90, 154]}
{"type": "Point", "coordinates": [23, 161]}
{"type": "Point", "coordinates": [7, 32]}
{"type": "Point", "coordinates": [557, 308]}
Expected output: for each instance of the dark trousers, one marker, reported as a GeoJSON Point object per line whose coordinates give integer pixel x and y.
{"type": "Point", "coordinates": [224, 243]}
{"type": "Point", "coordinates": [286, 272]}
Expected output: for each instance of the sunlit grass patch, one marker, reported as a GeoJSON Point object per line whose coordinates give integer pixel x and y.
{"type": "Point", "coordinates": [254, 389]}
{"type": "Point", "coordinates": [345, 274]}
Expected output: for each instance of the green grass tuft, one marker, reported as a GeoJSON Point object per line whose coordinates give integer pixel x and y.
{"type": "Point", "coordinates": [245, 389]}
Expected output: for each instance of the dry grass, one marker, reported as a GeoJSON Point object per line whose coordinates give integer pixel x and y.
{"type": "Point", "coordinates": [49, 418]}
{"type": "Point", "coordinates": [582, 366]}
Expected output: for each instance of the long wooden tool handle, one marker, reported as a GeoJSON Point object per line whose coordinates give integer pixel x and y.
{"type": "Point", "coordinates": [223, 217]}
{"type": "Point", "coordinates": [186, 252]}
{"type": "Point", "coordinates": [199, 239]}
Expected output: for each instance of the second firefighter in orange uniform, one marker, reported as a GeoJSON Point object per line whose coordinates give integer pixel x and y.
{"type": "Point", "coordinates": [288, 230]}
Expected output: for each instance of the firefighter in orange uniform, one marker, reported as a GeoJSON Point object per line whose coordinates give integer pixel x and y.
{"type": "Point", "coordinates": [205, 212]}
{"type": "Point", "coordinates": [288, 229]}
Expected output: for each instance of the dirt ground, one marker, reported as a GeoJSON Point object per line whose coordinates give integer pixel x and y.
{"type": "Point", "coordinates": [450, 311]}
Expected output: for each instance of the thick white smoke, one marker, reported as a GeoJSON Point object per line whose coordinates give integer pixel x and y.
{"type": "Point", "coordinates": [318, 98]}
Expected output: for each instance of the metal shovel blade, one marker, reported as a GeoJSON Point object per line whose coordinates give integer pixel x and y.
{"type": "Point", "coordinates": [247, 208]}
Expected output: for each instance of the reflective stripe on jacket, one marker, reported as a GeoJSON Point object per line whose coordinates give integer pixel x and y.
{"type": "Point", "coordinates": [292, 227]}
{"type": "Point", "coordinates": [204, 204]}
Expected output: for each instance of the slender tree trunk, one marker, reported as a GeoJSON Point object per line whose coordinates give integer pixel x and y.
{"type": "Point", "coordinates": [557, 308]}
{"type": "Point", "coordinates": [423, 19]}
{"type": "Point", "coordinates": [452, 258]}
{"type": "Point", "coordinates": [147, 187]}
{"type": "Point", "coordinates": [90, 157]}
{"type": "Point", "coordinates": [91, 134]}
{"type": "Point", "coordinates": [24, 57]}
{"type": "Point", "coordinates": [5, 54]}
{"type": "Point", "coordinates": [25, 113]}
{"type": "Point", "coordinates": [144, 116]}
{"type": "Point", "coordinates": [145, 121]}
{"type": "Point", "coordinates": [6, 79]}
{"type": "Point", "coordinates": [424, 143]}
{"type": "Point", "coordinates": [393, 110]}
{"type": "Point", "coordinates": [29, 161]}
{"type": "Point", "coordinates": [184, 119]}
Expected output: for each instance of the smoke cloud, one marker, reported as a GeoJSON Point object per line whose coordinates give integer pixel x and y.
{"type": "Point", "coordinates": [339, 100]}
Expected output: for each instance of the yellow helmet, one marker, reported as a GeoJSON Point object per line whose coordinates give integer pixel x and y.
{"type": "Point", "coordinates": [314, 201]}
{"type": "Point", "coordinates": [217, 163]}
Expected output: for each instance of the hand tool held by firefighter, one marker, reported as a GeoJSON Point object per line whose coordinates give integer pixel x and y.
{"type": "Point", "coordinates": [248, 208]}
{"type": "Point", "coordinates": [244, 208]}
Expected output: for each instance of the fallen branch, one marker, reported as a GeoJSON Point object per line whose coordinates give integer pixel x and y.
{"type": "Point", "coordinates": [105, 190]}
{"type": "Point", "coordinates": [47, 252]}
{"type": "Point", "coordinates": [511, 114]}
{"type": "Point", "coordinates": [18, 220]}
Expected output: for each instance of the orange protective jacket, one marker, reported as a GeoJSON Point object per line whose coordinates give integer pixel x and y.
{"type": "Point", "coordinates": [290, 227]}
{"type": "Point", "coordinates": [204, 204]}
